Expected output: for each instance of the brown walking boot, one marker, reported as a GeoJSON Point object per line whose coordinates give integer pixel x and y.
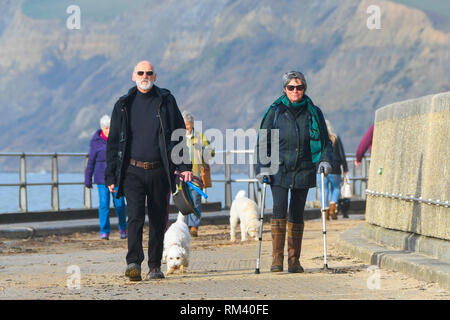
{"type": "Point", "coordinates": [193, 231]}
{"type": "Point", "coordinates": [278, 228]}
{"type": "Point", "coordinates": [327, 214]}
{"type": "Point", "coordinates": [333, 211]}
{"type": "Point", "coordinates": [295, 236]}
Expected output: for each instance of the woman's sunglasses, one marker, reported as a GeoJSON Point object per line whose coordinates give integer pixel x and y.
{"type": "Point", "coordinates": [141, 73]}
{"type": "Point", "coordinates": [299, 87]}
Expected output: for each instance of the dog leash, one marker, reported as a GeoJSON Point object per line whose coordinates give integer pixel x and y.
{"type": "Point", "coordinates": [193, 186]}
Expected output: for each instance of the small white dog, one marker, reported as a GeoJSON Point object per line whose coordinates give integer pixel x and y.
{"type": "Point", "coordinates": [177, 245]}
{"type": "Point", "coordinates": [246, 211]}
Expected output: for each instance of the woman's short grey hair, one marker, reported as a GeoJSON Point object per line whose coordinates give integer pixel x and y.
{"type": "Point", "coordinates": [105, 121]}
{"type": "Point", "coordinates": [187, 116]}
{"type": "Point", "coordinates": [288, 76]}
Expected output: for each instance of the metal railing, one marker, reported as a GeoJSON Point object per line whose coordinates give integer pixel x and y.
{"type": "Point", "coordinates": [55, 183]}
{"type": "Point", "coordinates": [359, 174]}
{"type": "Point", "coordinates": [409, 198]}
{"type": "Point", "coordinates": [254, 190]}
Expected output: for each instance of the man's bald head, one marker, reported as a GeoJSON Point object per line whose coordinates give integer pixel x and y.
{"type": "Point", "coordinates": [143, 64]}
{"type": "Point", "coordinates": [144, 75]}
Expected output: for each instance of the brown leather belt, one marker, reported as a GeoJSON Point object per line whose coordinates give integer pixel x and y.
{"type": "Point", "coordinates": [145, 165]}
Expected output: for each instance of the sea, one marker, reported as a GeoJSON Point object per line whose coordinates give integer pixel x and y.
{"type": "Point", "coordinates": [71, 196]}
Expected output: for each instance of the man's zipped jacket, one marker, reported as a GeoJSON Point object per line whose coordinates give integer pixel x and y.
{"type": "Point", "coordinates": [117, 150]}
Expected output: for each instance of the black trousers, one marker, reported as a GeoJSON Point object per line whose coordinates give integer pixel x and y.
{"type": "Point", "coordinates": [141, 186]}
{"type": "Point", "coordinates": [296, 205]}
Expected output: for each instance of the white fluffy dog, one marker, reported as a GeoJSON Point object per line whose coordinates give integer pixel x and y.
{"type": "Point", "coordinates": [246, 211]}
{"type": "Point", "coordinates": [177, 244]}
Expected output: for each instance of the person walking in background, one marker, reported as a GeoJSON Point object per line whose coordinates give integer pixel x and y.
{"type": "Point", "coordinates": [96, 167]}
{"type": "Point", "coordinates": [366, 143]}
{"type": "Point", "coordinates": [303, 142]}
{"type": "Point", "coordinates": [139, 163]}
{"type": "Point", "coordinates": [332, 181]}
{"type": "Point", "coordinates": [199, 149]}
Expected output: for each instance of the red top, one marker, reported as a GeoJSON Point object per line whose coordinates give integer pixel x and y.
{"type": "Point", "coordinates": [366, 143]}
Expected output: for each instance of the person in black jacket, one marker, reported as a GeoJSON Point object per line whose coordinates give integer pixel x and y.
{"type": "Point", "coordinates": [333, 180]}
{"type": "Point", "coordinates": [139, 163]}
{"type": "Point", "coordinates": [302, 143]}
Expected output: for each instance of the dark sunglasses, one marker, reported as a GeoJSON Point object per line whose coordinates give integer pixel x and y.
{"type": "Point", "coordinates": [141, 73]}
{"type": "Point", "coordinates": [299, 87]}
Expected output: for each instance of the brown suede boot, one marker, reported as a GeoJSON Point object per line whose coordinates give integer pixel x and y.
{"type": "Point", "coordinates": [327, 214]}
{"type": "Point", "coordinates": [193, 231]}
{"type": "Point", "coordinates": [295, 236]}
{"type": "Point", "coordinates": [278, 227]}
{"type": "Point", "coordinates": [333, 212]}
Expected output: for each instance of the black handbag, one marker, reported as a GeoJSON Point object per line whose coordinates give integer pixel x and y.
{"type": "Point", "coordinates": [181, 197]}
{"type": "Point", "coordinates": [183, 200]}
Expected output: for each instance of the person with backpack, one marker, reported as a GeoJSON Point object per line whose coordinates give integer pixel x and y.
{"type": "Point", "coordinates": [302, 143]}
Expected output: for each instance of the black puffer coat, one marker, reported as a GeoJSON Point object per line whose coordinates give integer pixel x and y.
{"type": "Point", "coordinates": [296, 169]}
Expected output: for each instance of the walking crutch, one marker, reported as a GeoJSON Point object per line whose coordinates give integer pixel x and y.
{"type": "Point", "coordinates": [324, 228]}
{"type": "Point", "coordinates": [261, 218]}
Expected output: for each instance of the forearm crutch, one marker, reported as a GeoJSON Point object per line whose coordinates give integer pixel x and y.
{"type": "Point", "coordinates": [324, 228]}
{"type": "Point", "coordinates": [261, 218]}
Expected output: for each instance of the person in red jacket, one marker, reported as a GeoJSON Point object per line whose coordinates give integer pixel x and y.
{"type": "Point", "coordinates": [366, 143]}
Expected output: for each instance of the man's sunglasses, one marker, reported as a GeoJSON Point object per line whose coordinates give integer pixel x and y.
{"type": "Point", "coordinates": [141, 73]}
{"type": "Point", "coordinates": [299, 87]}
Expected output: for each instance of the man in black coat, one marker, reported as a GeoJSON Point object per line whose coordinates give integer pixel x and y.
{"type": "Point", "coordinates": [139, 161]}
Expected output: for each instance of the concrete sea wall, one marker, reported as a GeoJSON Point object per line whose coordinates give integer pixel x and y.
{"type": "Point", "coordinates": [411, 158]}
{"type": "Point", "coordinates": [407, 225]}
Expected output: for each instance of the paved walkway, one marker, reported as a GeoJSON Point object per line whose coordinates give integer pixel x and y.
{"type": "Point", "coordinates": [218, 270]}
{"type": "Point", "coordinates": [60, 227]}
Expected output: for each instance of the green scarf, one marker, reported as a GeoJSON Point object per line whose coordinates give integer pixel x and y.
{"type": "Point", "coordinates": [315, 142]}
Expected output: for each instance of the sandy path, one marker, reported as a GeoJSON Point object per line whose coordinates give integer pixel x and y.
{"type": "Point", "coordinates": [42, 268]}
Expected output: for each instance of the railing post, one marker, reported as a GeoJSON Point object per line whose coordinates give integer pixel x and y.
{"type": "Point", "coordinates": [363, 184]}
{"type": "Point", "coordinates": [354, 176]}
{"type": "Point", "coordinates": [251, 175]}
{"type": "Point", "coordinates": [87, 191]}
{"type": "Point", "coordinates": [228, 194]}
{"type": "Point", "coordinates": [55, 185]}
{"type": "Point", "coordinates": [23, 203]}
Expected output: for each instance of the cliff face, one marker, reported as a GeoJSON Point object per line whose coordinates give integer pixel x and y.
{"type": "Point", "coordinates": [222, 59]}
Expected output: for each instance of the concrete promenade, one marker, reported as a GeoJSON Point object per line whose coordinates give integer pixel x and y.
{"type": "Point", "coordinates": [80, 266]}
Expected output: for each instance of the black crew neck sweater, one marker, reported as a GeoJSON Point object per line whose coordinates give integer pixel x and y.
{"type": "Point", "coordinates": [144, 127]}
